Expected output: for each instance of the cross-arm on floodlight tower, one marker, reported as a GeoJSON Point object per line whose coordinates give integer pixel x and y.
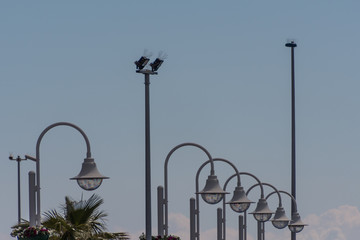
{"type": "Point", "coordinates": [89, 177]}
{"type": "Point", "coordinates": [140, 66]}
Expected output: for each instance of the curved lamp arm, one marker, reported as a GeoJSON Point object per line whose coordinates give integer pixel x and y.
{"type": "Point", "coordinates": [267, 184]}
{"type": "Point", "coordinates": [212, 172]}
{"type": "Point", "coordinates": [88, 155]}
{"type": "Point", "coordinates": [291, 196]}
{"type": "Point", "coordinates": [251, 175]}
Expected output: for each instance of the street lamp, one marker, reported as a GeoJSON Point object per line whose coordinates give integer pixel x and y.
{"type": "Point", "coordinates": [295, 225]}
{"type": "Point", "coordinates": [140, 66]}
{"type": "Point", "coordinates": [211, 192]}
{"type": "Point", "coordinates": [89, 177]}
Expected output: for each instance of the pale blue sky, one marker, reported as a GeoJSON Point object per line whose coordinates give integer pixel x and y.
{"type": "Point", "coordinates": [225, 85]}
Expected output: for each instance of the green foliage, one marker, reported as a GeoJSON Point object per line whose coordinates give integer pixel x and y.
{"type": "Point", "coordinates": [80, 221]}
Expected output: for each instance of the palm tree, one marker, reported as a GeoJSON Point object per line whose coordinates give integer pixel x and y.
{"type": "Point", "coordinates": [80, 221]}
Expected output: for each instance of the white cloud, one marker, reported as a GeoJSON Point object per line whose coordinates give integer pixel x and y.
{"type": "Point", "coordinates": [342, 223]}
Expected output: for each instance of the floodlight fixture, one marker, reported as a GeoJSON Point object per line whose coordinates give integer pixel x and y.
{"type": "Point", "coordinates": [156, 64]}
{"type": "Point", "coordinates": [141, 63]}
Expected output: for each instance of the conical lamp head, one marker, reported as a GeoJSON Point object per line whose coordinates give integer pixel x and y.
{"type": "Point", "coordinates": [239, 202]}
{"type": "Point", "coordinates": [296, 225]}
{"type": "Point", "coordinates": [212, 192]}
{"type": "Point", "coordinates": [262, 212]}
{"type": "Point", "coordinates": [89, 177]}
{"type": "Point", "coordinates": [280, 220]}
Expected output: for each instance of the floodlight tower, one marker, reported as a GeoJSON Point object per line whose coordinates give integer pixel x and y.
{"type": "Point", "coordinates": [140, 66]}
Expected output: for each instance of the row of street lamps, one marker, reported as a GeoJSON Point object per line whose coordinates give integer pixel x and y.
{"type": "Point", "coordinates": [212, 193]}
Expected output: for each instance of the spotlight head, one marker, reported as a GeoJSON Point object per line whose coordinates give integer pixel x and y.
{"type": "Point", "coordinates": [141, 63]}
{"type": "Point", "coordinates": [156, 64]}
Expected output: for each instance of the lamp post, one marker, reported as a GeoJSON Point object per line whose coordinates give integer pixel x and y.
{"type": "Point", "coordinates": [89, 177]}
{"type": "Point", "coordinates": [242, 207]}
{"type": "Point", "coordinates": [293, 45]}
{"type": "Point", "coordinates": [140, 65]}
{"type": "Point", "coordinates": [212, 189]}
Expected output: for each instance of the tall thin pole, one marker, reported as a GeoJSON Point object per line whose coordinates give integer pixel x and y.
{"type": "Point", "coordinates": [19, 192]}
{"type": "Point", "coordinates": [292, 45]}
{"type": "Point", "coordinates": [18, 160]}
{"type": "Point", "coordinates": [147, 159]}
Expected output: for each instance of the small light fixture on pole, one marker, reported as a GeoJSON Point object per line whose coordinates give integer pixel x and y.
{"type": "Point", "coordinates": [140, 66]}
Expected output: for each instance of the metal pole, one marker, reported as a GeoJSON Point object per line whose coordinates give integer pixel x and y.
{"type": "Point", "coordinates": [147, 159]}
{"type": "Point", "coordinates": [241, 227]}
{"type": "Point", "coordinates": [32, 216]}
{"type": "Point", "coordinates": [219, 224]}
{"type": "Point", "coordinates": [261, 231]}
{"type": "Point", "coordinates": [245, 226]}
{"type": "Point", "coordinates": [18, 159]}
{"type": "Point", "coordinates": [19, 192]}
{"type": "Point", "coordinates": [192, 218]}
{"type": "Point", "coordinates": [292, 45]}
{"type": "Point", "coordinates": [160, 203]}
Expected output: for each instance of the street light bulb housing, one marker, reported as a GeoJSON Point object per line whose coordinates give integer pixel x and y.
{"type": "Point", "coordinates": [212, 192]}
{"type": "Point", "coordinates": [280, 220]}
{"type": "Point", "coordinates": [262, 212]}
{"type": "Point", "coordinates": [89, 177]}
{"type": "Point", "coordinates": [296, 225]}
{"type": "Point", "coordinates": [239, 202]}
{"type": "Point", "coordinates": [141, 63]}
{"type": "Point", "coordinates": [156, 64]}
